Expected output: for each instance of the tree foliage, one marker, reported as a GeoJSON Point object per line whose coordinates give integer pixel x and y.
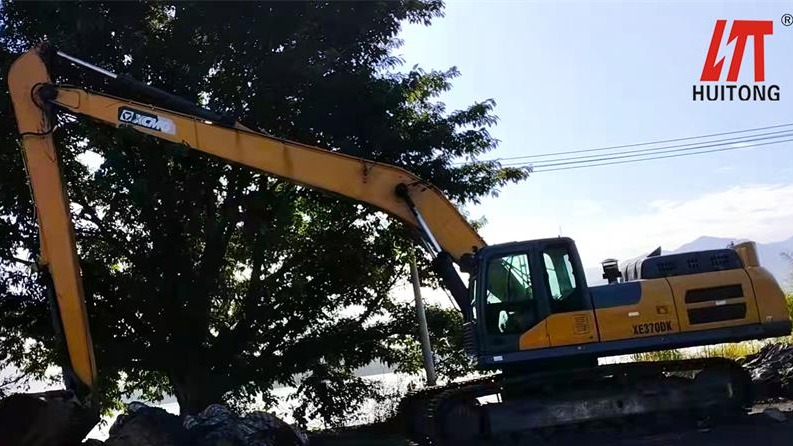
{"type": "Point", "coordinates": [211, 281]}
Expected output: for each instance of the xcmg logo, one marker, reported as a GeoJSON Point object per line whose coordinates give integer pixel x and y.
{"type": "Point", "coordinates": [146, 120]}
{"type": "Point", "coordinates": [741, 32]}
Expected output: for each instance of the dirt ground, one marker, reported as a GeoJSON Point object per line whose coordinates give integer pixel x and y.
{"type": "Point", "coordinates": [768, 424]}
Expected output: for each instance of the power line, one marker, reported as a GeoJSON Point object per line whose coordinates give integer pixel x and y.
{"type": "Point", "coordinates": [554, 163]}
{"type": "Point", "coordinates": [625, 146]}
{"type": "Point", "coordinates": [663, 149]}
{"type": "Point", "coordinates": [750, 146]}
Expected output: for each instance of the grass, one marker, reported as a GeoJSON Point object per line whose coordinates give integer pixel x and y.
{"type": "Point", "coordinates": [734, 350]}
{"type": "Point", "coordinates": [662, 355]}
{"type": "Point", "coordinates": [731, 351]}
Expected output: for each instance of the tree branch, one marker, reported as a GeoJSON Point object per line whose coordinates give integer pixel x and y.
{"type": "Point", "coordinates": [217, 232]}
{"type": "Point", "coordinates": [239, 334]}
{"type": "Point", "coordinates": [89, 213]}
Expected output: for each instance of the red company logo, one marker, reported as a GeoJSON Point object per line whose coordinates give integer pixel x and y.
{"type": "Point", "coordinates": [740, 33]}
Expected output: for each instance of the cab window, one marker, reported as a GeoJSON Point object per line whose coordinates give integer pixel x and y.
{"type": "Point", "coordinates": [510, 306]}
{"type": "Point", "coordinates": [562, 286]}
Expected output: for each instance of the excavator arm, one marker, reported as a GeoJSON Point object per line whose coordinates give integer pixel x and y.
{"type": "Point", "coordinates": [401, 194]}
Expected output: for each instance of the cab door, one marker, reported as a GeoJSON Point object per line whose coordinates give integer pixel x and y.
{"type": "Point", "coordinates": [512, 314]}
{"type": "Point", "coordinates": [571, 317]}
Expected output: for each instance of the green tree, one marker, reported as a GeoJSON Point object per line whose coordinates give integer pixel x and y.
{"type": "Point", "coordinates": [208, 280]}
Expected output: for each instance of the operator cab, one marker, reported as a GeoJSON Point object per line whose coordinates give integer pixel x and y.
{"type": "Point", "coordinates": [519, 288]}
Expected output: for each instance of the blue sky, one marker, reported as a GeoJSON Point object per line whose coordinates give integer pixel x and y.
{"type": "Point", "coordinates": [570, 75]}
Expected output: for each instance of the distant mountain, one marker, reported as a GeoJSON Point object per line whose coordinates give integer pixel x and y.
{"type": "Point", "coordinates": [375, 368]}
{"type": "Point", "coordinates": [770, 257]}
{"type": "Point", "coordinates": [706, 242]}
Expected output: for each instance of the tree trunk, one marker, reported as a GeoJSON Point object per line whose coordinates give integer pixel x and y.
{"type": "Point", "coordinates": [195, 390]}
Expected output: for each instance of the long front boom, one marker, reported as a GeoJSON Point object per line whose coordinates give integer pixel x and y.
{"type": "Point", "coordinates": [357, 178]}
{"type": "Point", "coordinates": [419, 204]}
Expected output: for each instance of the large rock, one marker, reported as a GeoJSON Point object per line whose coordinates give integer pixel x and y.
{"type": "Point", "coordinates": [53, 418]}
{"type": "Point", "coordinates": [772, 370]}
{"type": "Point", "coordinates": [142, 425]}
{"type": "Point", "coordinates": [218, 426]}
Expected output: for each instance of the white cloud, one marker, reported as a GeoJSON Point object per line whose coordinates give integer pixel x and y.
{"type": "Point", "coordinates": [761, 212]}
{"type": "Point", "coordinates": [758, 212]}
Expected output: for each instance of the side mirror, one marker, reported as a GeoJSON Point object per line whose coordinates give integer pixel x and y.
{"type": "Point", "coordinates": [468, 263]}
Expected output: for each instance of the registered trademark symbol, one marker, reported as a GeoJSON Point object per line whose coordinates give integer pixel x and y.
{"type": "Point", "coordinates": [787, 19]}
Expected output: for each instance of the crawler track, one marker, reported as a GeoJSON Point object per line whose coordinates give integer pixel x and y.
{"type": "Point", "coordinates": [537, 404]}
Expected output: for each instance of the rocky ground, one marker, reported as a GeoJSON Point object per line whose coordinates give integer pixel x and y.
{"type": "Point", "coordinates": [768, 423]}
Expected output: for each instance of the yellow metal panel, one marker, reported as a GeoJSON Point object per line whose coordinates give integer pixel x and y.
{"type": "Point", "coordinates": [352, 177]}
{"type": "Point", "coordinates": [576, 327]}
{"type": "Point", "coordinates": [681, 284]}
{"type": "Point", "coordinates": [536, 337]}
{"type": "Point", "coordinates": [653, 315]}
{"type": "Point", "coordinates": [747, 251]}
{"type": "Point", "coordinates": [57, 234]}
{"type": "Point", "coordinates": [771, 305]}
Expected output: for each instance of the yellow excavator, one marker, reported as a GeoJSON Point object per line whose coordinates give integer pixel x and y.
{"type": "Point", "coordinates": [528, 313]}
